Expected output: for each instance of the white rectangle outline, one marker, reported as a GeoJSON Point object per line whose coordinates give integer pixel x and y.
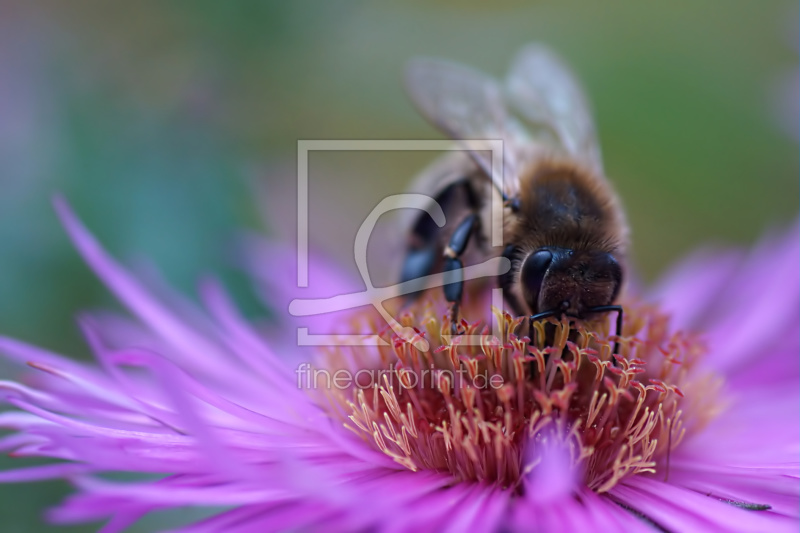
{"type": "Point", "coordinates": [304, 146]}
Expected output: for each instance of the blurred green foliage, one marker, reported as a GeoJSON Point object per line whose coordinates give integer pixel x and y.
{"type": "Point", "coordinates": [155, 118]}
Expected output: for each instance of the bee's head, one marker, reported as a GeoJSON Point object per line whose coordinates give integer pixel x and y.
{"type": "Point", "coordinates": [569, 282]}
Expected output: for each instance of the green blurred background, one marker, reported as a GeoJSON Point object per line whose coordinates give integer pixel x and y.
{"type": "Point", "coordinates": [170, 125]}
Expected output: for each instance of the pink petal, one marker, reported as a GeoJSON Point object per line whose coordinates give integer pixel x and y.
{"type": "Point", "coordinates": [679, 509]}
{"type": "Point", "coordinates": [197, 351]}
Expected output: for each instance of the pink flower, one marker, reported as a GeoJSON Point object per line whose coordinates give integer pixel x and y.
{"type": "Point", "coordinates": [695, 432]}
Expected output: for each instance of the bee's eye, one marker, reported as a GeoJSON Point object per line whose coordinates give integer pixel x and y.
{"type": "Point", "coordinates": [534, 270]}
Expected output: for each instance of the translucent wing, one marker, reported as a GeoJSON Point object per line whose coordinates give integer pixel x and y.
{"type": "Point", "coordinates": [545, 92]}
{"type": "Point", "coordinates": [465, 104]}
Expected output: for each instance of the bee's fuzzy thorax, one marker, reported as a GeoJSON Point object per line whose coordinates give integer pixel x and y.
{"type": "Point", "coordinates": [567, 205]}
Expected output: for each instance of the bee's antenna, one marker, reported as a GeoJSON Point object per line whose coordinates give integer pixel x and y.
{"type": "Point", "coordinates": [545, 314]}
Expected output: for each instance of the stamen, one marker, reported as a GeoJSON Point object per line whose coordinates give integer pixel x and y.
{"type": "Point", "coordinates": [478, 405]}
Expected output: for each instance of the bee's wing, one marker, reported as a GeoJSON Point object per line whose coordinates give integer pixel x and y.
{"type": "Point", "coordinates": [465, 104]}
{"type": "Point", "coordinates": [544, 91]}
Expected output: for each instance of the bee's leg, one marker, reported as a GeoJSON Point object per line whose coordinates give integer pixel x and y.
{"type": "Point", "coordinates": [425, 245]}
{"type": "Point", "coordinates": [619, 329]}
{"type": "Point", "coordinates": [453, 275]}
{"type": "Point", "coordinates": [418, 263]}
{"type": "Point", "coordinates": [607, 309]}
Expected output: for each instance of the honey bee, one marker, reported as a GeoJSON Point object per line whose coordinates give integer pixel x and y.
{"type": "Point", "coordinates": [564, 231]}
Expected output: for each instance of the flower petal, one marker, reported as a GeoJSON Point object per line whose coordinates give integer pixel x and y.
{"type": "Point", "coordinates": [195, 349]}
{"type": "Point", "coordinates": [679, 509]}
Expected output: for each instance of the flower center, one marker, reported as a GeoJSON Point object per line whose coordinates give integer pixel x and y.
{"type": "Point", "coordinates": [480, 404]}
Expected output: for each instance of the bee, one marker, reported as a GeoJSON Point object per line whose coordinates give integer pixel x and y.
{"type": "Point", "coordinates": [564, 231]}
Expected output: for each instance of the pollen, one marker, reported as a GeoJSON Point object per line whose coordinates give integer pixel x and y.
{"type": "Point", "coordinates": [478, 404]}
